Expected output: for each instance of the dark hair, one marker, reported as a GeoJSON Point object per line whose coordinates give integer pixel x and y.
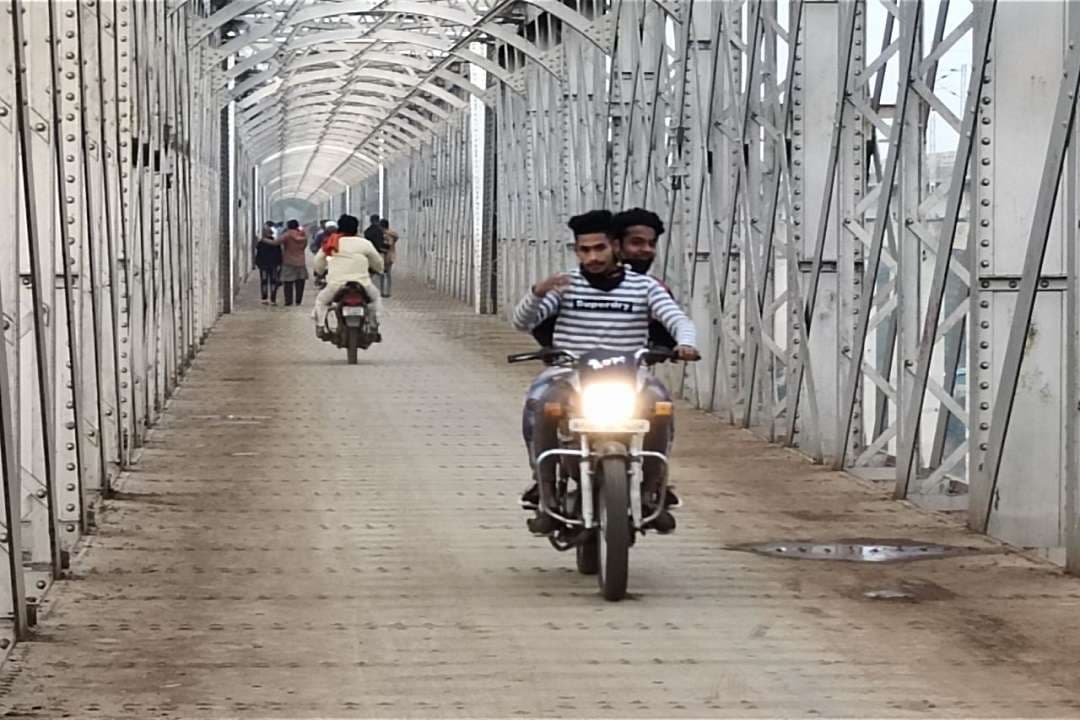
{"type": "Point", "coordinates": [294, 224]}
{"type": "Point", "coordinates": [348, 225]}
{"type": "Point", "coordinates": [594, 221]}
{"type": "Point", "coordinates": [385, 223]}
{"type": "Point", "coordinates": [374, 218]}
{"type": "Point", "coordinates": [635, 216]}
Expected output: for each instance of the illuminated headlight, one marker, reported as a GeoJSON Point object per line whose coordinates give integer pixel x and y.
{"type": "Point", "coordinates": [608, 403]}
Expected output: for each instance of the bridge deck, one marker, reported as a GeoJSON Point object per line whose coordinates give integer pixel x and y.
{"type": "Point", "coordinates": [305, 538]}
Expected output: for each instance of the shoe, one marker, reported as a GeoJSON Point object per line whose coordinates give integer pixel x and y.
{"type": "Point", "coordinates": [542, 524]}
{"type": "Point", "coordinates": [530, 499]}
{"type": "Point", "coordinates": [663, 524]}
{"type": "Point", "coordinates": [378, 336]}
{"type": "Point", "coordinates": [671, 500]}
{"type": "Point", "coordinates": [288, 304]}
{"type": "Point", "coordinates": [265, 301]}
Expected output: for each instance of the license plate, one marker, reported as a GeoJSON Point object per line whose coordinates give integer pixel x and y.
{"type": "Point", "coordinates": [581, 425]}
{"type": "Point", "coordinates": [352, 310]}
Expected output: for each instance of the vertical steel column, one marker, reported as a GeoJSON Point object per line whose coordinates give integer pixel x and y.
{"type": "Point", "coordinates": [907, 460]}
{"type": "Point", "coordinates": [96, 220]}
{"type": "Point", "coordinates": [832, 54]}
{"type": "Point", "coordinates": [910, 16]}
{"type": "Point", "coordinates": [12, 580]}
{"type": "Point", "coordinates": [1008, 499]}
{"type": "Point", "coordinates": [70, 495]}
{"type": "Point", "coordinates": [1071, 500]}
{"type": "Point", "coordinates": [34, 167]}
{"type": "Point", "coordinates": [127, 154]}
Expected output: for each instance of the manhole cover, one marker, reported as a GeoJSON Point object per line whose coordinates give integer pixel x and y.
{"type": "Point", "coordinates": [880, 551]}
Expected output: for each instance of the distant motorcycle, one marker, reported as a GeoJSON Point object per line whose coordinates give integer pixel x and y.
{"type": "Point", "coordinates": [353, 328]}
{"type": "Point", "coordinates": [599, 474]}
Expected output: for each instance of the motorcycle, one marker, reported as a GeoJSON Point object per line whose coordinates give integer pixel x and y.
{"type": "Point", "coordinates": [353, 328]}
{"type": "Point", "coordinates": [602, 424]}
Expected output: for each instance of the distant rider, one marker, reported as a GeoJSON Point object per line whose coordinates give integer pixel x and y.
{"type": "Point", "coordinates": [328, 228]}
{"type": "Point", "coordinates": [345, 257]}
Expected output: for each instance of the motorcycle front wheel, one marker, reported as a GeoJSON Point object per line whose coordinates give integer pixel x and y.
{"type": "Point", "coordinates": [613, 535]}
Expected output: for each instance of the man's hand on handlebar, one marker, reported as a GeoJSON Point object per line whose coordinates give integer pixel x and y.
{"type": "Point", "coordinates": [555, 282]}
{"type": "Point", "coordinates": [687, 353]}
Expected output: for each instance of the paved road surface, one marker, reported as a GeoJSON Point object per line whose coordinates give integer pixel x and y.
{"type": "Point", "coordinates": [302, 538]}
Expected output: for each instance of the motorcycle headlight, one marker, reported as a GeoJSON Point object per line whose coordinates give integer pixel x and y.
{"type": "Point", "coordinates": [608, 403]}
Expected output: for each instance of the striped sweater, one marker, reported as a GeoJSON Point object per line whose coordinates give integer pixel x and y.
{"type": "Point", "coordinates": [589, 318]}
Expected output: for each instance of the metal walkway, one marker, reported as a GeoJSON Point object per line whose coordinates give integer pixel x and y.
{"type": "Point", "coordinates": [303, 538]}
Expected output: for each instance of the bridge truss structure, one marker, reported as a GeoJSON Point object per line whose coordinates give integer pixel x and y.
{"type": "Point", "coordinates": [871, 211]}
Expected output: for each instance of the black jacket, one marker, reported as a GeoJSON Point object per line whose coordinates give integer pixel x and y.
{"type": "Point", "coordinates": [374, 233]}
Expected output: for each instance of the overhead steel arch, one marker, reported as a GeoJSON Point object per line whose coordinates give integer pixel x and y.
{"type": "Point", "coordinates": [300, 132]}
{"type": "Point", "coordinates": [371, 77]}
{"type": "Point", "coordinates": [303, 148]}
{"type": "Point", "coordinates": [401, 79]}
{"type": "Point", "coordinates": [274, 180]}
{"type": "Point", "coordinates": [282, 194]}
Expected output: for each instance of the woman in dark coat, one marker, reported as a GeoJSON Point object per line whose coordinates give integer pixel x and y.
{"type": "Point", "coordinates": [268, 258]}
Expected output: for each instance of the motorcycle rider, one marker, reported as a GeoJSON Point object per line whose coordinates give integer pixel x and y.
{"type": "Point", "coordinates": [600, 305]}
{"type": "Point", "coordinates": [328, 228]}
{"type": "Point", "coordinates": [345, 257]}
{"type": "Point", "coordinates": [637, 231]}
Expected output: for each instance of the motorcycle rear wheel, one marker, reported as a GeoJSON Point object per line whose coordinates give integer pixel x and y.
{"type": "Point", "coordinates": [352, 344]}
{"type": "Point", "coordinates": [613, 535]}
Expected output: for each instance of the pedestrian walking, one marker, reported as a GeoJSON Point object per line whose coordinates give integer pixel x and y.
{"type": "Point", "coordinates": [390, 240]}
{"type": "Point", "coordinates": [268, 258]}
{"type": "Point", "coordinates": [294, 272]}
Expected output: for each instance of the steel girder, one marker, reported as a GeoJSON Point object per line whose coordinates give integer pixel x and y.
{"type": "Point", "coordinates": [838, 225]}
{"type": "Point", "coordinates": [109, 277]}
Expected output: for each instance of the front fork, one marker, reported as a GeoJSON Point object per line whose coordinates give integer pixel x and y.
{"type": "Point", "coordinates": [635, 457]}
{"type": "Point", "coordinates": [637, 475]}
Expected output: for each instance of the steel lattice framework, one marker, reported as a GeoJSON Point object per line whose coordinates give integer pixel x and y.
{"type": "Point", "coordinates": [872, 213]}
{"type": "Point", "coordinates": [876, 292]}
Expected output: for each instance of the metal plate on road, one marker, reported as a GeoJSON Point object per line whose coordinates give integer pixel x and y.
{"type": "Point", "coordinates": [861, 551]}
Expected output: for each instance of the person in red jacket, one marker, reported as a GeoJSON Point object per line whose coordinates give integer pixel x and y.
{"type": "Point", "coordinates": [294, 263]}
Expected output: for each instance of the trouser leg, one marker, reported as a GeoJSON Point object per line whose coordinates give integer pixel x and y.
{"type": "Point", "coordinates": [264, 283]}
{"type": "Point", "coordinates": [289, 292]}
{"type": "Point", "coordinates": [275, 281]}
{"type": "Point", "coordinates": [540, 432]}
{"type": "Point", "coordinates": [300, 292]}
{"type": "Point", "coordinates": [322, 304]}
{"type": "Point", "coordinates": [388, 281]}
{"type": "Point", "coordinates": [659, 438]}
{"type": "Point", "coordinates": [533, 401]}
{"type": "Point", "coordinates": [376, 302]}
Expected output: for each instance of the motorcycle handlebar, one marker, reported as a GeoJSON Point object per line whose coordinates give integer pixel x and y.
{"type": "Point", "coordinates": [657, 354]}
{"type": "Point", "coordinates": [543, 354]}
{"type": "Point", "coordinates": [649, 355]}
